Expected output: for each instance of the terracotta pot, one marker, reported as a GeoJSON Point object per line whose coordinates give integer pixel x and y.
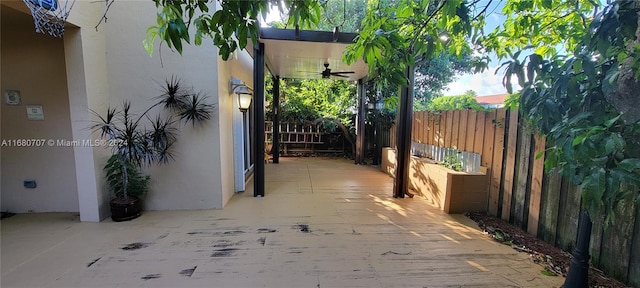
{"type": "Point", "coordinates": [124, 209]}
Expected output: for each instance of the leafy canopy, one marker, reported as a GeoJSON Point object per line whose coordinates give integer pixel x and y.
{"type": "Point", "coordinates": [459, 102]}
{"type": "Point", "coordinates": [310, 99]}
{"type": "Point", "coordinates": [570, 94]}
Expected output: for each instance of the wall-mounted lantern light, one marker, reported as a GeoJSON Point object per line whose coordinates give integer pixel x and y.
{"type": "Point", "coordinates": [242, 91]}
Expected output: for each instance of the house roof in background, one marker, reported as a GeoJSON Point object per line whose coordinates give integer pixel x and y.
{"type": "Point", "coordinates": [491, 99]}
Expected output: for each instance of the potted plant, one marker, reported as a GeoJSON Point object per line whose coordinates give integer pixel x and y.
{"type": "Point", "coordinates": [138, 140]}
{"type": "Point", "coordinates": [126, 204]}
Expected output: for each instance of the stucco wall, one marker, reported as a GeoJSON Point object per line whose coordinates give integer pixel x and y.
{"type": "Point", "coordinates": [34, 64]}
{"type": "Point", "coordinates": [107, 65]}
{"type": "Point", "coordinates": [241, 67]}
{"type": "Point", "coordinates": [194, 179]}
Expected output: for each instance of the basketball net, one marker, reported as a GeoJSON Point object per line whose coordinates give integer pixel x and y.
{"type": "Point", "coordinates": [50, 16]}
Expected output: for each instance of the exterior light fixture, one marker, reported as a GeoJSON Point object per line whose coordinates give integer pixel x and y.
{"type": "Point", "coordinates": [244, 101]}
{"type": "Point", "coordinates": [243, 92]}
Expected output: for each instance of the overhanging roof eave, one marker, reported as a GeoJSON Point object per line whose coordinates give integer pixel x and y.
{"type": "Point", "coordinates": [306, 35]}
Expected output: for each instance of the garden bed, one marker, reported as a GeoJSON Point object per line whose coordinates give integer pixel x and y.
{"type": "Point", "coordinates": [552, 258]}
{"type": "Point", "coordinates": [452, 191]}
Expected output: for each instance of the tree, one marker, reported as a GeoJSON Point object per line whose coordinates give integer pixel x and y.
{"type": "Point", "coordinates": [316, 101]}
{"type": "Point", "coordinates": [239, 18]}
{"type": "Point", "coordinates": [584, 96]}
{"type": "Point", "coordinates": [459, 102]}
{"type": "Point", "coordinates": [433, 75]}
{"type": "Point", "coordinates": [346, 14]}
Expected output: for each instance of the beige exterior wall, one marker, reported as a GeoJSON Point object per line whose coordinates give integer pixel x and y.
{"type": "Point", "coordinates": [193, 180]}
{"type": "Point", "coordinates": [240, 67]}
{"type": "Point", "coordinates": [34, 64]}
{"type": "Point", "coordinates": [104, 67]}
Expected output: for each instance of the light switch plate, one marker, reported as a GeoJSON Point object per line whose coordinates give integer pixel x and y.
{"type": "Point", "coordinates": [35, 112]}
{"type": "Point", "coordinates": [12, 97]}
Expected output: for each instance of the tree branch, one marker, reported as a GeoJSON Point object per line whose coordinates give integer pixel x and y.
{"type": "Point", "coordinates": [424, 24]}
{"type": "Point", "coordinates": [484, 10]}
{"type": "Point", "coordinates": [108, 4]}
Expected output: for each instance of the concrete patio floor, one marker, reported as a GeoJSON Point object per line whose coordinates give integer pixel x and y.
{"type": "Point", "coordinates": [323, 223]}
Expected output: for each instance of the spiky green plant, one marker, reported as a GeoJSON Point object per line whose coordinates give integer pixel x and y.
{"type": "Point", "coordinates": [138, 140]}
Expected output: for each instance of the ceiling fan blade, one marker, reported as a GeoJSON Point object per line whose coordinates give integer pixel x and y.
{"type": "Point", "coordinates": [343, 72]}
{"type": "Point", "coordinates": [338, 75]}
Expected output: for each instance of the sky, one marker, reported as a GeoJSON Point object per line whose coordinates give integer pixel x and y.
{"type": "Point", "coordinates": [484, 84]}
{"type": "Point", "coordinates": [488, 82]}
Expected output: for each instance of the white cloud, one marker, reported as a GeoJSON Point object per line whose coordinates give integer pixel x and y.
{"type": "Point", "coordinates": [486, 83]}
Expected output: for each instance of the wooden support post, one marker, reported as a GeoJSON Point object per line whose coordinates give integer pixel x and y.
{"type": "Point", "coordinates": [276, 120]}
{"type": "Point", "coordinates": [258, 102]}
{"type": "Point", "coordinates": [403, 155]}
{"type": "Point", "coordinates": [360, 125]}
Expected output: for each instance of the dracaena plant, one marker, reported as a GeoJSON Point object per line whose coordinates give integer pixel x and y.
{"type": "Point", "coordinates": [138, 139]}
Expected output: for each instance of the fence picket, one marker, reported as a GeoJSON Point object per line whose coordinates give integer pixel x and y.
{"type": "Point", "coordinates": [448, 130]}
{"type": "Point", "coordinates": [442, 127]}
{"type": "Point", "coordinates": [462, 130]}
{"type": "Point", "coordinates": [498, 122]}
{"type": "Point", "coordinates": [509, 171]}
{"type": "Point", "coordinates": [548, 225]}
{"type": "Point", "coordinates": [478, 138]}
{"type": "Point", "coordinates": [471, 130]}
{"type": "Point", "coordinates": [455, 125]}
{"type": "Point", "coordinates": [568, 217]}
{"type": "Point", "coordinates": [431, 120]}
{"type": "Point", "coordinates": [536, 186]}
{"type": "Point", "coordinates": [615, 252]}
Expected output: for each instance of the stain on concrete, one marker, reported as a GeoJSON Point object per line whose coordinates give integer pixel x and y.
{"type": "Point", "coordinates": [135, 246]}
{"type": "Point", "coordinates": [163, 236]}
{"type": "Point", "coordinates": [93, 262]}
{"type": "Point", "coordinates": [396, 253]}
{"type": "Point", "coordinates": [303, 228]}
{"type": "Point", "coordinates": [151, 276]}
{"type": "Point", "coordinates": [262, 240]}
{"type": "Point", "coordinates": [225, 252]}
{"type": "Point", "coordinates": [267, 230]}
{"type": "Point", "coordinates": [233, 233]}
{"type": "Point", "coordinates": [227, 243]}
{"type": "Point", "coordinates": [188, 272]}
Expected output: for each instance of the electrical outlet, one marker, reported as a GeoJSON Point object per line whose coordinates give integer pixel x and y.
{"type": "Point", "coordinates": [31, 184]}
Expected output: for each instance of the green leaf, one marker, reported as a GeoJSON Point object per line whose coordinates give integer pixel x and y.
{"type": "Point", "coordinates": [589, 68]}
{"type": "Point", "coordinates": [609, 122]}
{"type": "Point", "coordinates": [630, 164]}
{"type": "Point", "coordinates": [579, 140]}
{"type": "Point", "coordinates": [547, 273]}
{"type": "Point", "coordinates": [579, 117]}
{"type": "Point", "coordinates": [242, 37]}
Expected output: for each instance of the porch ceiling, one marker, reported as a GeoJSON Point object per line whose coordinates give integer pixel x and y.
{"type": "Point", "coordinates": [302, 55]}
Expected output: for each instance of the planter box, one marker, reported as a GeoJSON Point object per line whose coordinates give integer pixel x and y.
{"type": "Point", "coordinates": [451, 191]}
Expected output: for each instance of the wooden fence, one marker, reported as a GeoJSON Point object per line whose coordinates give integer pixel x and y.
{"type": "Point", "coordinates": [545, 205]}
